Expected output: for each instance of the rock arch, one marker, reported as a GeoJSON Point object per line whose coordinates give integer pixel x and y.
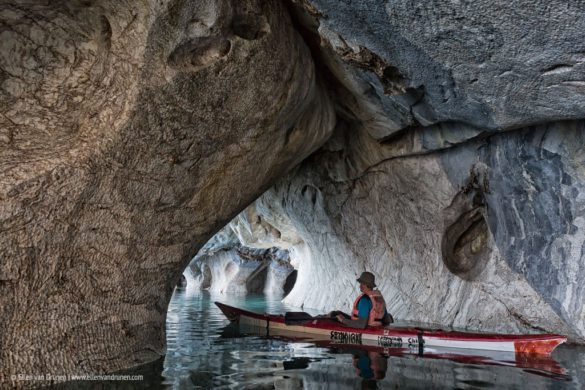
{"type": "Point", "coordinates": [121, 157]}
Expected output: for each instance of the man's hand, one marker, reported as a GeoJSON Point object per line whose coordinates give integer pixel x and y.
{"type": "Point", "coordinates": [340, 318]}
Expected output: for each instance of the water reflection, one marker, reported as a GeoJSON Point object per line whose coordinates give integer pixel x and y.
{"type": "Point", "coordinates": [205, 352]}
{"type": "Point", "coordinates": [370, 364]}
{"type": "Point", "coordinates": [258, 361]}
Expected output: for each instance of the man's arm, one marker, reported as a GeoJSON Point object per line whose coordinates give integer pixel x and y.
{"type": "Point", "coordinates": [360, 323]}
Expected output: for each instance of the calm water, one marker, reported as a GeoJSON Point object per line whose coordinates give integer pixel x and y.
{"type": "Point", "coordinates": [205, 352]}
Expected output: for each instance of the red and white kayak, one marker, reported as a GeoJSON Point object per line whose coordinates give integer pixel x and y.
{"type": "Point", "coordinates": [391, 336]}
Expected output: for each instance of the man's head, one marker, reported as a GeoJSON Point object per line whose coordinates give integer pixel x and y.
{"type": "Point", "coordinates": [367, 279]}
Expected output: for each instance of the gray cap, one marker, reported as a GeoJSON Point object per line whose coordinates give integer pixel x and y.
{"type": "Point", "coordinates": [368, 279]}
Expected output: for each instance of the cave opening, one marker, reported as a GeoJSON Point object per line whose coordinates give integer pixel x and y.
{"type": "Point", "coordinates": [252, 255]}
{"type": "Point", "coordinates": [240, 269]}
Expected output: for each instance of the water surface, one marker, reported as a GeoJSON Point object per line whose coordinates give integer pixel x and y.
{"type": "Point", "coordinates": [205, 352]}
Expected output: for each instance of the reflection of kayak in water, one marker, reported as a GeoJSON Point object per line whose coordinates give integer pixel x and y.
{"type": "Point", "coordinates": [329, 333]}
{"type": "Point", "coordinates": [542, 365]}
{"type": "Point", "coordinates": [391, 336]}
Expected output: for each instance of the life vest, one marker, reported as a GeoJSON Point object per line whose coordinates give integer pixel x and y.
{"type": "Point", "coordinates": [378, 308]}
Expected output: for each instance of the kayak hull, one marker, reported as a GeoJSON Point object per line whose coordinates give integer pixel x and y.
{"type": "Point", "coordinates": [390, 336]}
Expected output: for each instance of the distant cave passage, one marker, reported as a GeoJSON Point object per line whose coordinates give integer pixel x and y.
{"type": "Point", "coordinates": [289, 283]}
{"type": "Point", "coordinates": [207, 277]}
{"type": "Point", "coordinates": [257, 281]}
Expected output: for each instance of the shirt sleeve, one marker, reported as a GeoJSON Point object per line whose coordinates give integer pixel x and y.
{"type": "Point", "coordinates": [364, 306]}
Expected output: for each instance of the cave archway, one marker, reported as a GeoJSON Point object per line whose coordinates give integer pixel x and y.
{"type": "Point", "coordinates": [117, 167]}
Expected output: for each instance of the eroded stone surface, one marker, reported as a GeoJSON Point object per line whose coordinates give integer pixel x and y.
{"type": "Point", "coordinates": [249, 255]}
{"type": "Point", "coordinates": [129, 136]}
{"type": "Point", "coordinates": [514, 262]}
{"type": "Point", "coordinates": [489, 64]}
{"type": "Point", "coordinates": [240, 270]}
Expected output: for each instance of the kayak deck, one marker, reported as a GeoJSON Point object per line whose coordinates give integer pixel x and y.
{"type": "Point", "coordinates": [542, 344]}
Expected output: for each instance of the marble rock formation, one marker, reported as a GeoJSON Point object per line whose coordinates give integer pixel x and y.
{"type": "Point", "coordinates": [486, 235]}
{"type": "Point", "coordinates": [240, 270]}
{"type": "Point", "coordinates": [129, 134]}
{"type": "Point", "coordinates": [450, 174]}
{"type": "Point", "coordinates": [246, 256]}
{"type": "Point", "coordinates": [490, 64]}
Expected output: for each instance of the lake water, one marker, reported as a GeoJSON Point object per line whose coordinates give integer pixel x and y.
{"type": "Point", "coordinates": [205, 352]}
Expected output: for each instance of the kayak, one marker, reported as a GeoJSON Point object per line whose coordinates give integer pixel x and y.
{"type": "Point", "coordinates": [393, 336]}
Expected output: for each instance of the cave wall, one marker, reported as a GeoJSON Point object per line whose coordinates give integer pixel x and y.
{"type": "Point", "coordinates": [451, 173]}
{"type": "Point", "coordinates": [129, 136]}
{"type": "Point", "coordinates": [536, 212]}
{"type": "Point", "coordinates": [467, 210]}
{"type": "Point", "coordinates": [240, 270]}
{"type": "Point", "coordinates": [472, 237]}
{"type": "Point", "coordinates": [489, 64]}
{"type": "Point", "coordinates": [249, 255]}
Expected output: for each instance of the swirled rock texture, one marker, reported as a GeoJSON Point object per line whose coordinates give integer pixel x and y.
{"type": "Point", "coordinates": [436, 178]}
{"type": "Point", "coordinates": [129, 135]}
{"type": "Point", "coordinates": [474, 237]}
{"type": "Point", "coordinates": [489, 64]}
{"type": "Point", "coordinates": [249, 255]}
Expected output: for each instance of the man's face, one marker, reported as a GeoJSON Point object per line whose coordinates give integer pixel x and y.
{"type": "Point", "coordinates": [362, 287]}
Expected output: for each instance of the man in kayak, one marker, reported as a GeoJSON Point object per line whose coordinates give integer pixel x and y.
{"type": "Point", "coordinates": [369, 308]}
